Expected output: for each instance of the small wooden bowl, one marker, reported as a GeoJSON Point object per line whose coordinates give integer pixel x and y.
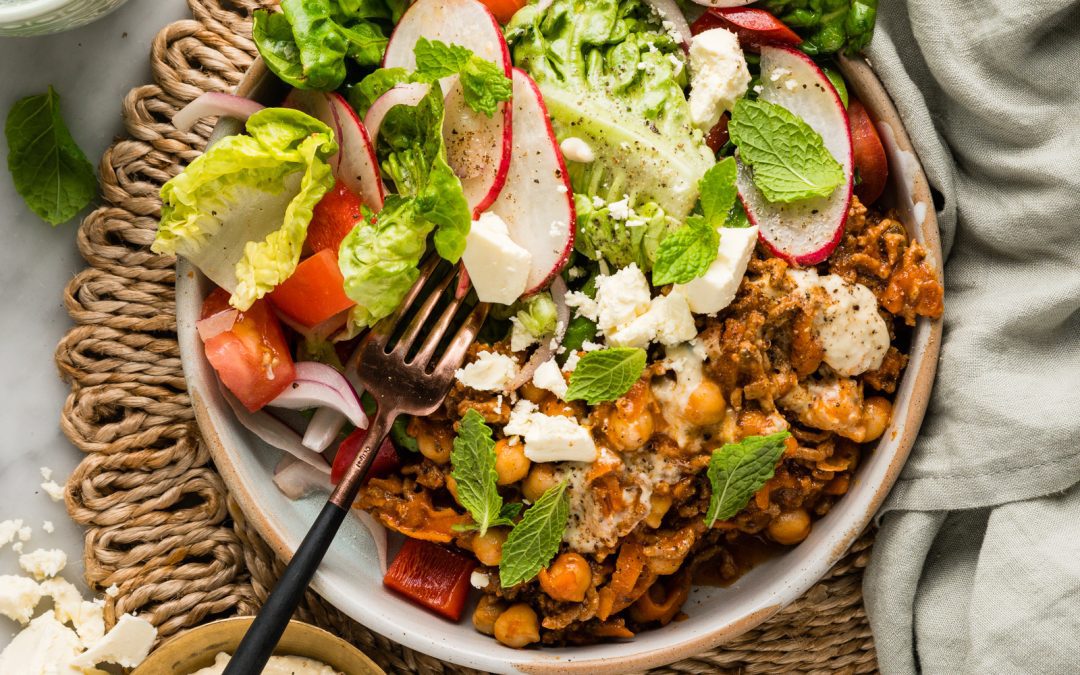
{"type": "Point", "coordinates": [195, 649]}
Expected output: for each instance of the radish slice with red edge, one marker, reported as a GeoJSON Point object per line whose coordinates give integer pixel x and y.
{"type": "Point", "coordinates": [723, 3]}
{"type": "Point", "coordinates": [537, 202]}
{"type": "Point", "coordinates": [276, 433]}
{"type": "Point", "coordinates": [318, 385]}
{"type": "Point", "coordinates": [668, 10]}
{"type": "Point", "coordinates": [216, 324]}
{"type": "Point", "coordinates": [355, 162]}
{"type": "Point", "coordinates": [478, 146]}
{"type": "Point", "coordinates": [213, 104]}
{"type": "Point", "coordinates": [804, 232]}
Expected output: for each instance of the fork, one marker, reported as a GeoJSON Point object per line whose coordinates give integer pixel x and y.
{"type": "Point", "coordinates": [399, 383]}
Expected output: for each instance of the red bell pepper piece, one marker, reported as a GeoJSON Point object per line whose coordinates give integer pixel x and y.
{"type": "Point", "coordinates": [386, 459]}
{"type": "Point", "coordinates": [315, 292]}
{"type": "Point", "coordinates": [755, 27]}
{"type": "Point", "coordinates": [431, 576]}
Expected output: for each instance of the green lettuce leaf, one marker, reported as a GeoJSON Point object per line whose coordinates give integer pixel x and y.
{"type": "Point", "coordinates": [620, 242]}
{"type": "Point", "coordinates": [828, 26]}
{"type": "Point", "coordinates": [612, 76]}
{"type": "Point", "coordinates": [240, 212]}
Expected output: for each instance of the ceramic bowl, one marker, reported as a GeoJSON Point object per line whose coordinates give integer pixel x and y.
{"type": "Point", "coordinates": [26, 18]}
{"type": "Point", "coordinates": [350, 579]}
{"type": "Point", "coordinates": [196, 648]}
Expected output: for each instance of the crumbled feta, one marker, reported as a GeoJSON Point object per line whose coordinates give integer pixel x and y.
{"type": "Point", "coordinates": [9, 529]}
{"type": "Point", "coordinates": [620, 298]}
{"type": "Point", "coordinates": [55, 492]}
{"type": "Point", "coordinates": [127, 644]}
{"type": "Point", "coordinates": [673, 395]}
{"type": "Point", "coordinates": [497, 265]}
{"type": "Point", "coordinates": [719, 76]}
{"type": "Point", "coordinates": [549, 377]}
{"type": "Point", "coordinates": [588, 346]}
{"type": "Point", "coordinates": [48, 527]}
{"type": "Point", "coordinates": [489, 372]}
{"type": "Point", "coordinates": [479, 580]}
{"type": "Point", "coordinates": [575, 273]}
{"type": "Point", "coordinates": [46, 473]}
{"type": "Point", "coordinates": [520, 336]}
{"type": "Point", "coordinates": [17, 547]}
{"type": "Point", "coordinates": [45, 647]}
{"type": "Point", "coordinates": [19, 597]}
{"type": "Point", "coordinates": [576, 150]}
{"type": "Point", "coordinates": [88, 618]}
{"type": "Point", "coordinates": [112, 591]}
{"type": "Point", "coordinates": [550, 438]}
{"type": "Point", "coordinates": [43, 563]}
{"type": "Point", "coordinates": [676, 63]}
{"type": "Point", "coordinates": [620, 210]}
{"type": "Point", "coordinates": [25, 533]}
{"type": "Point", "coordinates": [714, 290]}
{"type": "Point", "coordinates": [853, 334]}
{"type": "Point", "coordinates": [571, 362]}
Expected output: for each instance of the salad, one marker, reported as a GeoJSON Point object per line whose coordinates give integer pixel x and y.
{"type": "Point", "coordinates": [700, 305]}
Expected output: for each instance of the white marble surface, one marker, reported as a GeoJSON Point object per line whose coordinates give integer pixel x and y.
{"type": "Point", "coordinates": [92, 68]}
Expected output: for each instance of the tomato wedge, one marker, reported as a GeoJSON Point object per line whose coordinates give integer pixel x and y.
{"type": "Point", "coordinates": [755, 27]}
{"type": "Point", "coordinates": [870, 161]}
{"type": "Point", "coordinates": [386, 459]}
{"type": "Point", "coordinates": [431, 576]}
{"type": "Point", "coordinates": [333, 219]}
{"type": "Point", "coordinates": [504, 9]}
{"type": "Point", "coordinates": [251, 358]}
{"type": "Point", "coordinates": [315, 292]}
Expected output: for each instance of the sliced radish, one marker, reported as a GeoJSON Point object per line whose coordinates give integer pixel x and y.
{"type": "Point", "coordinates": [403, 94]}
{"type": "Point", "coordinates": [537, 203]}
{"type": "Point", "coordinates": [355, 163]}
{"type": "Point", "coordinates": [804, 232]}
{"type": "Point", "coordinates": [723, 3]}
{"type": "Point", "coordinates": [478, 146]}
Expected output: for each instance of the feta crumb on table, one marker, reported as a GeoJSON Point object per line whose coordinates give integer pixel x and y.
{"type": "Point", "coordinates": [43, 563]}
{"type": "Point", "coordinates": [55, 491]}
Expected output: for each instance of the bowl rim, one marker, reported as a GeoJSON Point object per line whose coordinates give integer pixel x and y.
{"type": "Point", "coordinates": [35, 9]}
{"type": "Point", "coordinates": [913, 192]}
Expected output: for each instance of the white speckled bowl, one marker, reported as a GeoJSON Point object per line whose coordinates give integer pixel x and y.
{"type": "Point", "coordinates": [350, 576]}
{"type": "Point", "coordinates": [26, 18]}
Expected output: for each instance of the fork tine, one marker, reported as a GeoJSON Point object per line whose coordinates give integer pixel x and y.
{"type": "Point", "coordinates": [436, 332]}
{"type": "Point", "coordinates": [455, 352]}
{"type": "Point", "coordinates": [385, 327]}
{"type": "Point", "coordinates": [405, 343]}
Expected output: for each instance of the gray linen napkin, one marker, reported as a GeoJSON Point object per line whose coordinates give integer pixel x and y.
{"type": "Point", "coordinates": [976, 568]}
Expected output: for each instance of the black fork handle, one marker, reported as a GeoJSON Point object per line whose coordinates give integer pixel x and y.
{"type": "Point", "coordinates": [266, 630]}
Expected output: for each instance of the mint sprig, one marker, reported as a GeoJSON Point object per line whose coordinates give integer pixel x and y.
{"type": "Point", "coordinates": [535, 540]}
{"type": "Point", "coordinates": [50, 172]}
{"type": "Point", "coordinates": [718, 191]}
{"type": "Point", "coordinates": [484, 84]}
{"type": "Point", "coordinates": [686, 253]}
{"type": "Point", "coordinates": [738, 470]}
{"type": "Point", "coordinates": [605, 375]}
{"type": "Point", "coordinates": [473, 461]}
{"type": "Point", "coordinates": [789, 159]}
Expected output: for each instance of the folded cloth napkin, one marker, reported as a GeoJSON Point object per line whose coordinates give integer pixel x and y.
{"type": "Point", "coordinates": [976, 568]}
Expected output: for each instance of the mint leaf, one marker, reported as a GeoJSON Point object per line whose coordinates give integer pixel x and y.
{"type": "Point", "coordinates": [483, 83]}
{"type": "Point", "coordinates": [686, 254]}
{"type": "Point", "coordinates": [50, 172]}
{"type": "Point", "coordinates": [789, 159]}
{"type": "Point", "coordinates": [718, 192]}
{"type": "Point", "coordinates": [738, 470]}
{"type": "Point", "coordinates": [605, 375]}
{"type": "Point", "coordinates": [473, 461]}
{"type": "Point", "coordinates": [535, 540]}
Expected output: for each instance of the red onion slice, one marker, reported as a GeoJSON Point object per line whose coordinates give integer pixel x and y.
{"type": "Point", "coordinates": [216, 324]}
{"type": "Point", "coordinates": [297, 480]}
{"type": "Point", "coordinates": [212, 104]}
{"type": "Point", "coordinates": [562, 310]}
{"type": "Point", "coordinates": [378, 535]}
{"type": "Point", "coordinates": [323, 429]}
{"type": "Point", "coordinates": [276, 433]}
{"type": "Point", "coordinates": [668, 10]}
{"type": "Point", "coordinates": [549, 342]}
{"type": "Point", "coordinates": [403, 94]}
{"type": "Point", "coordinates": [318, 385]}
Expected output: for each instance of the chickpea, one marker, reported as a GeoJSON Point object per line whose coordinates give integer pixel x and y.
{"type": "Point", "coordinates": [518, 626]}
{"type": "Point", "coordinates": [659, 505]}
{"type": "Point", "coordinates": [790, 527]}
{"type": "Point", "coordinates": [435, 443]}
{"type": "Point", "coordinates": [510, 462]}
{"type": "Point", "coordinates": [451, 485]}
{"type": "Point", "coordinates": [706, 405]}
{"type": "Point", "coordinates": [567, 579]}
{"type": "Point", "coordinates": [876, 415]}
{"type": "Point", "coordinates": [540, 479]}
{"type": "Point", "coordinates": [630, 424]}
{"type": "Point", "coordinates": [488, 546]}
{"type": "Point", "coordinates": [487, 613]}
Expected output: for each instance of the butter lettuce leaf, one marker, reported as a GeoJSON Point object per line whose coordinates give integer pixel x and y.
{"type": "Point", "coordinates": [240, 212]}
{"type": "Point", "coordinates": [612, 76]}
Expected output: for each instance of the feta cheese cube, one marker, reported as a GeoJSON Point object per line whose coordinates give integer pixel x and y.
{"type": "Point", "coordinates": [127, 644]}
{"type": "Point", "coordinates": [576, 150]}
{"type": "Point", "coordinates": [548, 376]}
{"type": "Point", "coordinates": [489, 372]}
{"type": "Point", "coordinates": [550, 438]}
{"type": "Point", "coordinates": [46, 646]}
{"type": "Point", "coordinates": [621, 298]}
{"type": "Point", "coordinates": [88, 618]}
{"type": "Point", "coordinates": [498, 266]}
{"type": "Point", "coordinates": [713, 291]}
{"type": "Point", "coordinates": [719, 76]}
{"type": "Point", "coordinates": [43, 563]}
{"type": "Point", "coordinates": [19, 597]}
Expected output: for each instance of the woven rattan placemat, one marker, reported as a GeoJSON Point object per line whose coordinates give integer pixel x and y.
{"type": "Point", "coordinates": [159, 521]}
